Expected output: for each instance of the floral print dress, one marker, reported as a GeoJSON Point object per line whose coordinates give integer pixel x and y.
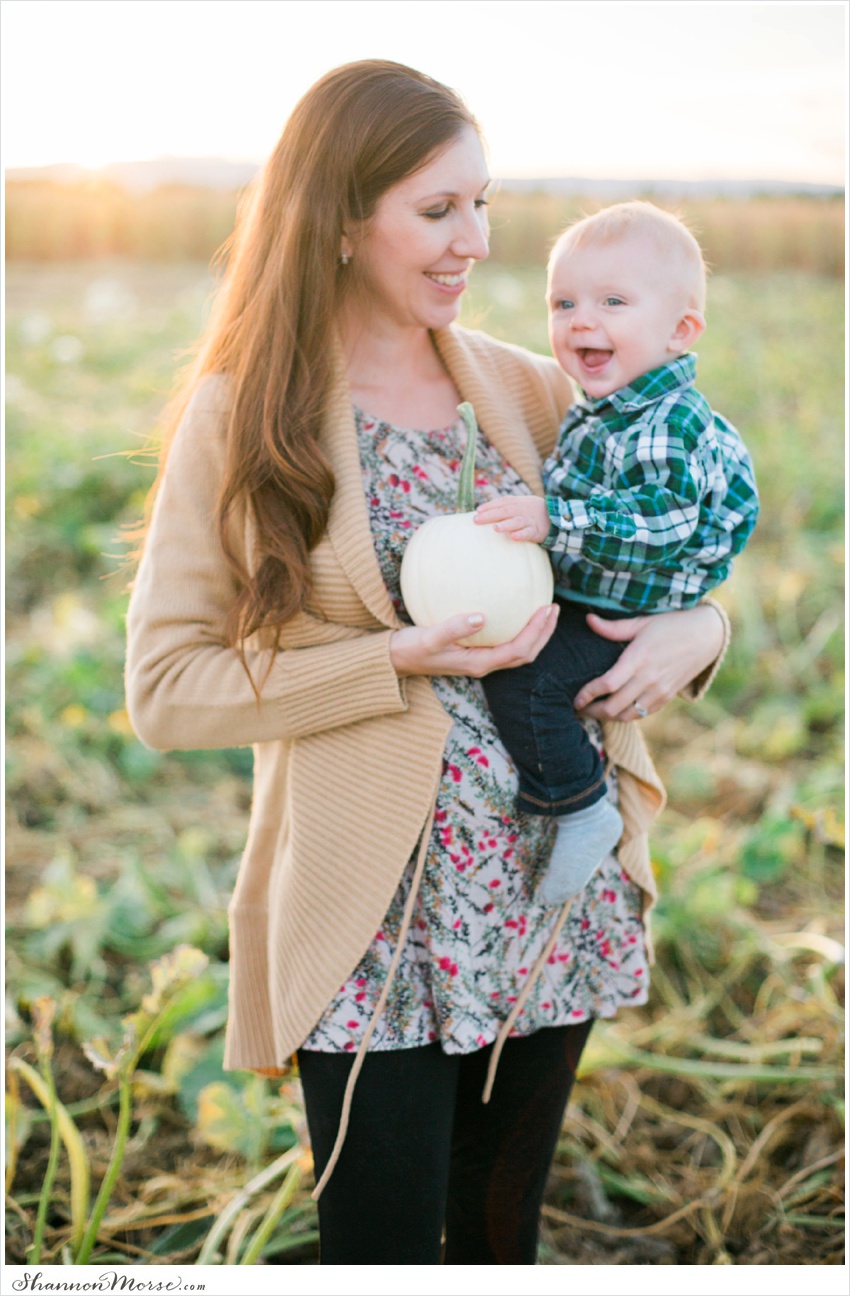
{"type": "Point", "coordinates": [477, 929]}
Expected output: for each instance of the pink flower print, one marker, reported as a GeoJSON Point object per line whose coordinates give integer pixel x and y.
{"type": "Point", "coordinates": [494, 884]}
{"type": "Point", "coordinates": [460, 866]}
{"type": "Point", "coordinates": [545, 1005]}
{"type": "Point", "coordinates": [488, 908]}
{"type": "Point", "coordinates": [352, 1025]}
{"type": "Point", "coordinates": [576, 1012]}
{"type": "Point", "coordinates": [522, 972]}
{"type": "Point", "coordinates": [494, 994]}
{"type": "Point", "coordinates": [480, 1041]}
{"type": "Point", "coordinates": [445, 963]}
{"type": "Point", "coordinates": [420, 924]}
{"type": "Point", "coordinates": [512, 922]}
{"type": "Point", "coordinates": [446, 835]}
{"type": "Point", "coordinates": [361, 981]}
{"type": "Point", "coordinates": [420, 473]}
{"type": "Point", "coordinates": [638, 971]}
{"type": "Point", "coordinates": [609, 895]}
{"type": "Point", "coordinates": [432, 1035]}
{"type": "Point", "coordinates": [360, 996]}
{"type": "Point", "coordinates": [605, 948]}
{"type": "Point", "coordinates": [350, 1045]}
{"type": "Point", "coordinates": [455, 773]}
{"type": "Point", "coordinates": [585, 923]}
{"type": "Point", "coordinates": [456, 924]}
{"type": "Point", "coordinates": [441, 815]}
{"type": "Point", "coordinates": [380, 936]}
{"type": "Point", "coordinates": [563, 958]}
{"type": "Point", "coordinates": [479, 756]}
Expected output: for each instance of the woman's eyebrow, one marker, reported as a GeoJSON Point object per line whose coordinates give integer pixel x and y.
{"type": "Point", "coordinates": [452, 193]}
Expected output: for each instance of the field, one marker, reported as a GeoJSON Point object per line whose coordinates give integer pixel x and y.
{"type": "Point", "coordinates": [706, 1128]}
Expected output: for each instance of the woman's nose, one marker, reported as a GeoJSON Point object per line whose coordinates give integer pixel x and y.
{"type": "Point", "coordinates": [472, 239]}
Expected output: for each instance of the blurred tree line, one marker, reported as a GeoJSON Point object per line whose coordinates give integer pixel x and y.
{"type": "Point", "coordinates": [50, 221]}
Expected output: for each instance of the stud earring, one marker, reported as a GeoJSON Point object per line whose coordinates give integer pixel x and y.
{"type": "Point", "coordinates": [344, 258]}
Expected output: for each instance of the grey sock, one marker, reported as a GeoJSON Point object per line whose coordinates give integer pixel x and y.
{"type": "Point", "coordinates": [582, 841]}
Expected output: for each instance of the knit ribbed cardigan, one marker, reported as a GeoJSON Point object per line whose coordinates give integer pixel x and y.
{"type": "Point", "coordinates": [347, 756]}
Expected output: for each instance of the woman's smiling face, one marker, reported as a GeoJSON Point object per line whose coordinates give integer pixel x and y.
{"type": "Point", "coordinates": [414, 256]}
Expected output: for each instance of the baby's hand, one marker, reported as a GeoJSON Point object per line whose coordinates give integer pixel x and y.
{"type": "Point", "coordinates": [524, 517]}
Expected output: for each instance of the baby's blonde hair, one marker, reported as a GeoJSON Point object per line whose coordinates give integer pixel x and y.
{"type": "Point", "coordinates": [669, 233]}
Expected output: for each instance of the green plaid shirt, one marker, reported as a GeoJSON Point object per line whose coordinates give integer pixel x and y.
{"type": "Point", "coordinates": [650, 495]}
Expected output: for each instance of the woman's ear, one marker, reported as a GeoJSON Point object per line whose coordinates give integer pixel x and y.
{"type": "Point", "coordinates": [689, 328]}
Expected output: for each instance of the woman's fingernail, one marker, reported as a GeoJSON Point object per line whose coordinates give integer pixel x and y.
{"type": "Point", "coordinates": [476, 619]}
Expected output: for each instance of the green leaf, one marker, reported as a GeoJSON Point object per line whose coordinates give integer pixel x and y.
{"type": "Point", "coordinates": [229, 1121]}
{"type": "Point", "coordinates": [772, 848]}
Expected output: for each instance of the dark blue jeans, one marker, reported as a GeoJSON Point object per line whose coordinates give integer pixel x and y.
{"type": "Point", "coordinates": [559, 768]}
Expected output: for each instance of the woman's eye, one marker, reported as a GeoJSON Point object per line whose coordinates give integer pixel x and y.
{"type": "Point", "coordinates": [482, 202]}
{"type": "Point", "coordinates": [436, 215]}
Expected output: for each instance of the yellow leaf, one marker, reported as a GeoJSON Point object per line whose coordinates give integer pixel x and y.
{"type": "Point", "coordinates": [73, 716]}
{"type": "Point", "coordinates": [119, 722]}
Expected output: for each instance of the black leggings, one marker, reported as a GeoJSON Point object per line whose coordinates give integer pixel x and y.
{"type": "Point", "coordinates": [423, 1151]}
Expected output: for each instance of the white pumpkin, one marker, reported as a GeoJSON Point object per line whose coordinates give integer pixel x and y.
{"type": "Point", "coordinates": [451, 565]}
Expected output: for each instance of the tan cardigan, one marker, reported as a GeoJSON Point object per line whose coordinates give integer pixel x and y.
{"type": "Point", "coordinates": [347, 756]}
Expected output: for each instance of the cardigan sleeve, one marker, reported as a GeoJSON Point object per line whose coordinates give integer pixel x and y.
{"type": "Point", "coordinates": [185, 687]}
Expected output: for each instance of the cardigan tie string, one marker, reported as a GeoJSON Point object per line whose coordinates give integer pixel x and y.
{"type": "Point", "coordinates": [407, 917]}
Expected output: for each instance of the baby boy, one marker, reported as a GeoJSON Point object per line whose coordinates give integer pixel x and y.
{"type": "Point", "coordinates": [649, 496]}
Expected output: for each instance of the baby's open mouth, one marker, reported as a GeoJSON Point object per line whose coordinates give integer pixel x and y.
{"type": "Point", "coordinates": [593, 358]}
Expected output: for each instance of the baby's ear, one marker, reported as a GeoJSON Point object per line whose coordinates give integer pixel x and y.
{"type": "Point", "coordinates": [688, 329]}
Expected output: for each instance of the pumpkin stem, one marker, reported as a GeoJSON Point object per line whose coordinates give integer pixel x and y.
{"type": "Point", "coordinates": [466, 485]}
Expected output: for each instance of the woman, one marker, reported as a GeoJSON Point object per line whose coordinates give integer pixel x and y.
{"type": "Point", "coordinates": [385, 905]}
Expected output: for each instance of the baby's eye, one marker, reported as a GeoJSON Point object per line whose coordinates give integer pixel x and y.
{"type": "Point", "coordinates": [564, 304]}
{"type": "Point", "coordinates": [614, 301]}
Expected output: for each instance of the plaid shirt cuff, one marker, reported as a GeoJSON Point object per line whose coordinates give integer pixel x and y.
{"type": "Point", "coordinates": [568, 520]}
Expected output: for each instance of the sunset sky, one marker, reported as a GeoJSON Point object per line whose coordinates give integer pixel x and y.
{"type": "Point", "coordinates": [685, 90]}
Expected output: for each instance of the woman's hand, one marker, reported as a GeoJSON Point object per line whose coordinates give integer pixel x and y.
{"type": "Point", "coordinates": [436, 650]}
{"type": "Point", "coordinates": [667, 651]}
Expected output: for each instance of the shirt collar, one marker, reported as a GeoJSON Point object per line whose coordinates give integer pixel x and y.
{"type": "Point", "coordinates": [649, 387]}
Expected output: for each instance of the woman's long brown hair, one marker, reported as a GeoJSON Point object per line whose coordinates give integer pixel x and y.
{"type": "Point", "coordinates": [357, 132]}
